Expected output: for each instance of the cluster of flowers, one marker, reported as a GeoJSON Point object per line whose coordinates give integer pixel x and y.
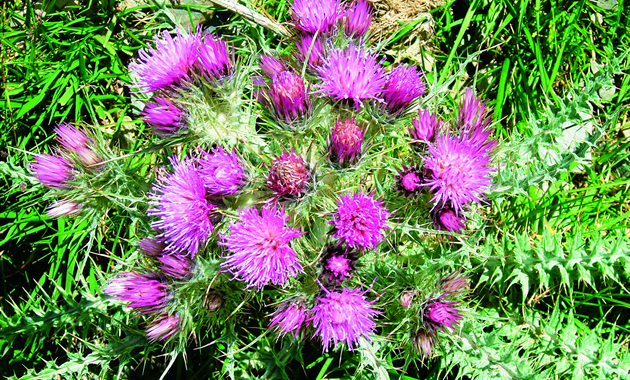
{"type": "Point", "coordinates": [187, 204]}
{"type": "Point", "coordinates": [77, 155]}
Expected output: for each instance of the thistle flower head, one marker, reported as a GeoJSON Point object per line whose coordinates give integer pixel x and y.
{"type": "Point", "coordinates": [168, 63]}
{"type": "Point", "coordinates": [179, 202]}
{"type": "Point", "coordinates": [71, 138]}
{"type": "Point", "coordinates": [164, 117]}
{"type": "Point", "coordinates": [453, 284]}
{"type": "Point", "coordinates": [459, 171]}
{"type": "Point", "coordinates": [441, 314]}
{"type": "Point", "coordinates": [259, 243]}
{"type": "Point", "coordinates": [446, 219]}
{"type": "Point", "coordinates": [409, 181]}
{"type": "Point", "coordinates": [288, 174]}
{"type": "Point", "coordinates": [271, 66]}
{"type": "Point", "coordinates": [53, 171]}
{"type": "Point", "coordinates": [406, 298]}
{"type": "Point", "coordinates": [221, 172]}
{"type": "Point", "coordinates": [403, 85]}
{"type": "Point", "coordinates": [338, 263]}
{"type": "Point", "coordinates": [288, 96]}
{"type": "Point", "coordinates": [289, 317]}
{"type": "Point", "coordinates": [346, 140]}
{"type": "Point", "coordinates": [164, 327]}
{"type": "Point", "coordinates": [151, 247]}
{"type": "Point", "coordinates": [63, 207]}
{"type": "Point", "coordinates": [311, 16]}
{"type": "Point", "coordinates": [358, 18]}
{"type": "Point", "coordinates": [425, 126]}
{"type": "Point", "coordinates": [473, 120]}
{"type": "Point", "coordinates": [360, 220]}
{"type": "Point", "coordinates": [175, 266]}
{"type": "Point", "coordinates": [351, 73]}
{"type": "Point", "coordinates": [342, 317]}
{"type": "Point", "coordinates": [316, 55]}
{"type": "Point", "coordinates": [213, 57]}
{"type": "Point", "coordinates": [142, 290]}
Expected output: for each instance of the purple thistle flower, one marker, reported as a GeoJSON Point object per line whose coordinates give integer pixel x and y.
{"type": "Point", "coordinates": [316, 56]}
{"type": "Point", "coordinates": [142, 290]}
{"type": "Point", "coordinates": [289, 317]}
{"type": "Point", "coordinates": [453, 284]}
{"type": "Point", "coordinates": [358, 19]}
{"type": "Point", "coordinates": [474, 119]}
{"type": "Point", "coordinates": [311, 16]}
{"type": "Point", "coordinates": [221, 172]}
{"type": "Point", "coordinates": [214, 59]}
{"type": "Point", "coordinates": [425, 126]}
{"type": "Point", "coordinates": [409, 181]}
{"type": "Point", "coordinates": [271, 66]}
{"type": "Point", "coordinates": [288, 96]}
{"type": "Point", "coordinates": [403, 85]}
{"type": "Point", "coordinates": [351, 73]}
{"type": "Point", "coordinates": [179, 202]}
{"type": "Point", "coordinates": [164, 117]}
{"type": "Point", "coordinates": [168, 63]}
{"type": "Point", "coordinates": [71, 138]}
{"type": "Point", "coordinates": [446, 219]}
{"type": "Point", "coordinates": [260, 248]}
{"type": "Point", "coordinates": [459, 171]}
{"type": "Point", "coordinates": [343, 317]}
{"type": "Point", "coordinates": [288, 174]}
{"type": "Point", "coordinates": [63, 207]}
{"type": "Point", "coordinates": [53, 171]}
{"type": "Point", "coordinates": [338, 263]}
{"type": "Point", "coordinates": [176, 266]}
{"type": "Point", "coordinates": [164, 327]}
{"type": "Point", "coordinates": [441, 314]}
{"type": "Point", "coordinates": [424, 340]}
{"type": "Point", "coordinates": [360, 220]}
{"type": "Point", "coordinates": [346, 141]}
{"type": "Point", "coordinates": [151, 247]}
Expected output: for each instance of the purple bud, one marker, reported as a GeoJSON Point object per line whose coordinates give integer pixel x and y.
{"type": "Point", "coordinates": [63, 207]}
{"type": "Point", "coordinates": [409, 181]}
{"type": "Point", "coordinates": [338, 263]}
{"type": "Point", "coordinates": [425, 126]}
{"type": "Point", "coordinates": [52, 171]}
{"type": "Point", "coordinates": [289, 317]}
{"type": "Point", "coordinates": [442, 315]}
{"type": "Point", "coordinates": [346, 140]}
{"type": "Point", "coordinates": [424, 342]}
{"type": "Point", "coordinates": [164, 117]}
{"type": "Point", "coordinates": [141, 290]}
{"type": "Point", "coordinates": [406, 298]}
{"type": "Point", "coordinates": [288, 174]}
{"type": "Point", "coordinates": [403, 85]}
{"type": "Point", "coordinates": [271, 66]}
{"type": "Point", "coordinates": [446, 219]}
{"type": "Point", "coordinates": [164, 327]}
{"type": "Point", "coordinates": [176, 266]}
{"type": "Point", "coordinates": [214, 59]}
{"type": "Point", "coordinates": [288, 96]}
{"type": "Point", "coordinates": [213, 300]}
{"type": "Point", "coordinates": [316, 56]}
{"type": "Point", "coordinates": [358, 18]}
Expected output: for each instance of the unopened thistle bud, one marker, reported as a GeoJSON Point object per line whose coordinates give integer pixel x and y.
{"type": "Point", "coordinates": [446, 219]}
{"type": "Point", "coordinates": [409, 181]}
{"type": "Point", "coordinates": [213, 300]}
{"type": "Point", "coordinates": [288, 174]}
{"type": "Point", "coordinates": [346, 140]}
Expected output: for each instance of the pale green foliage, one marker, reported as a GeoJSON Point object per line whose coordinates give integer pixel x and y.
{"type": "Point", "coordinates": [537, 347]}
{"type": "Point", "coordinates": [541, 264]}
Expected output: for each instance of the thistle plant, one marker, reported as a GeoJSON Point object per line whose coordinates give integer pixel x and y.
{"type": "Point", "coordinates": [277, 201]}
